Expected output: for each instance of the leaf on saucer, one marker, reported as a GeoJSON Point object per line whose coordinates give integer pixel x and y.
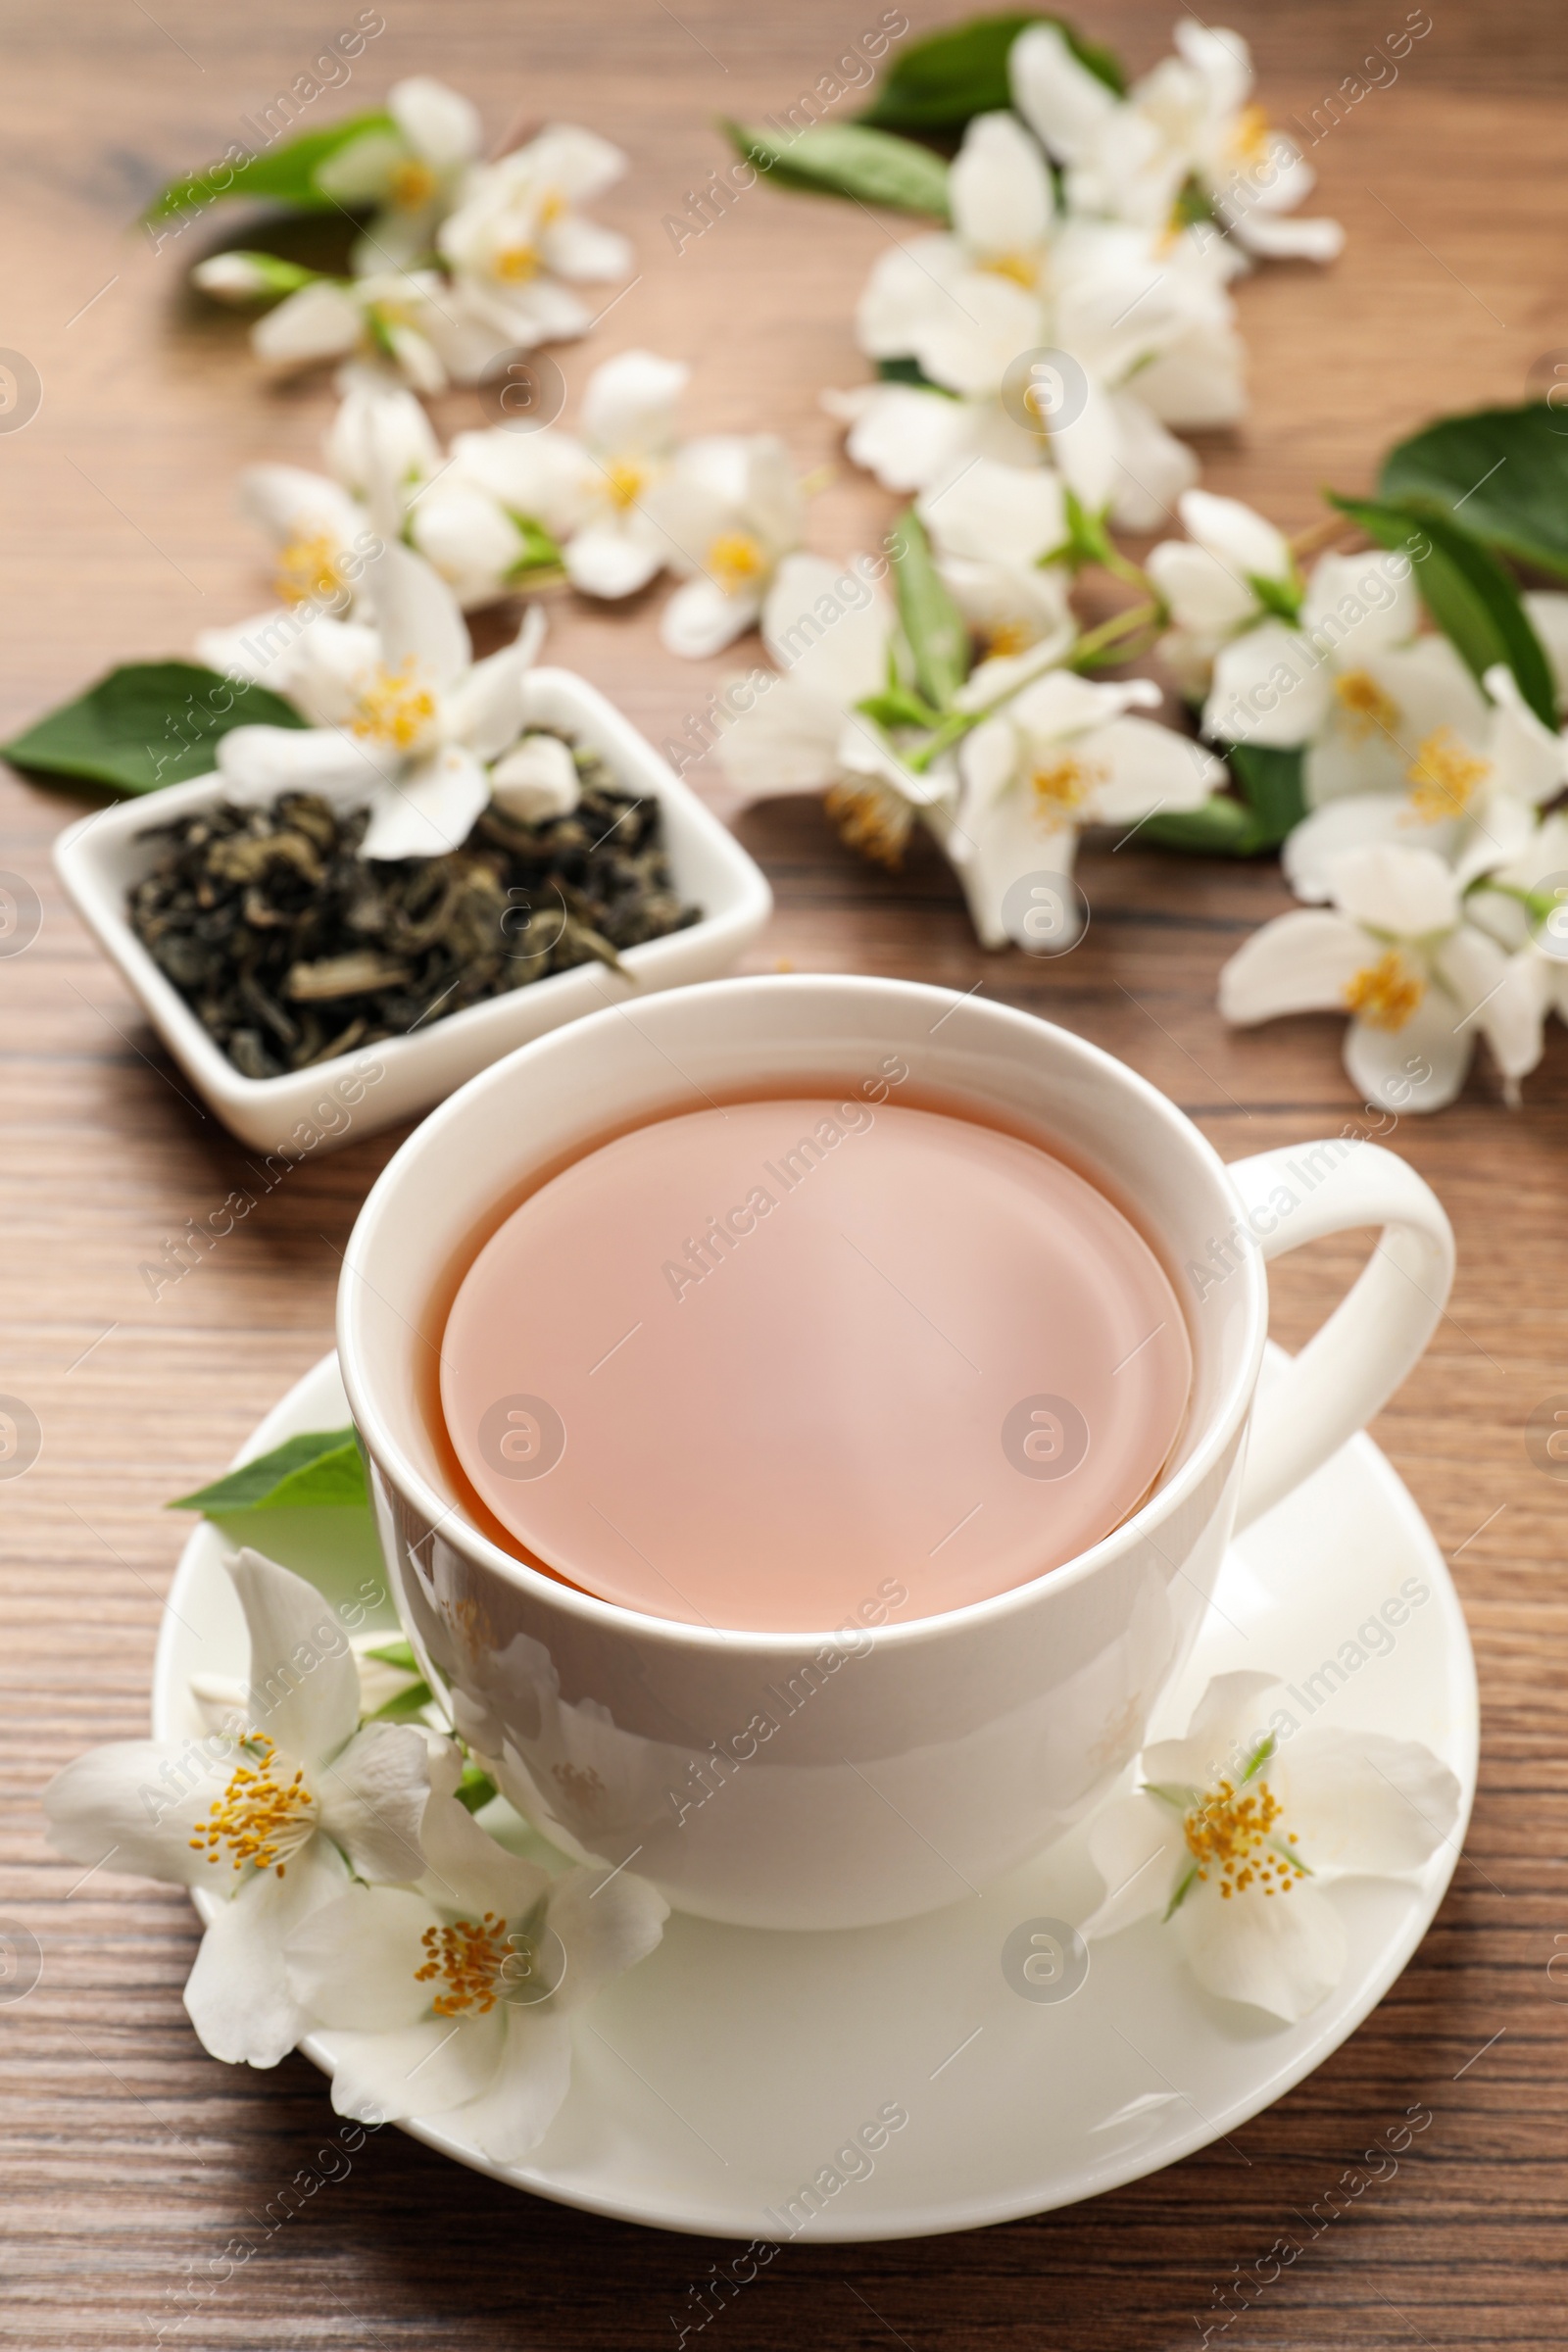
{"type": "Point", "coordinates": [147, 724]}
{"type": "Point", "coordinates": [320, 1469]}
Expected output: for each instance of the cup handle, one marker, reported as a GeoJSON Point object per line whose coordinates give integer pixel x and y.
{"type": "Point", "coordinates": [1349, 1369]}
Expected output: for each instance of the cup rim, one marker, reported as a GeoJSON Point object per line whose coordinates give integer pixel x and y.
{"type": "Point", "coordinates": [1225, 1417]}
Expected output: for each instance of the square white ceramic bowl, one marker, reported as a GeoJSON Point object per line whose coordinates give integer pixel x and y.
{"type": "Point", "coordinates": [99, 859]}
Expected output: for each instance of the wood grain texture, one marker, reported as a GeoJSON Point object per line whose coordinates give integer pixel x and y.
{"type": "Point", "coordinates": [129, 2158]}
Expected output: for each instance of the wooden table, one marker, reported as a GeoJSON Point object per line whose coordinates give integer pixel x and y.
{"type": "Point", "coordinates": [130, 2158]}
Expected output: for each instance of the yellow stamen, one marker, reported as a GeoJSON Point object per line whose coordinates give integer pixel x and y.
{"type": "Point", "coordinates": [1063, 785]}
{"type": "Point", "coordinates": [624, 481]}
{"type": "Point", "coordinates": [515, 263]}
{"type": "Point", "coordinates": [1006, 638]}
{"type": "Point", "coordinates": [552, 204]}
{"type": "Point", "coordinates": [476, 1959]}
{"type": "Point", "coordinates": [1230, 1833]}
{"type": "Point", "coordinates": [259, 1818]}
{"type": "Point", "coordinates": [412, 184]}
{"type": "Point", "coordinates": [1021, 267]}
{"type": "Point", "coordinates": [308, 570]}
{"type": "Point", "coordinates": [1369, 711]}
{"type": "Point", "coordinates": [734, 558]}
{"type": "Point", "coordinates": [393, 708]}
{"type": "Point", "coordinates": [1443, 776]}
{"type": "Point", "coordinates": [871, 820]}
{"type": "Point", "coordinates": [1384, 994]}
{"type": "Point", "coordinates": [1248, 142]}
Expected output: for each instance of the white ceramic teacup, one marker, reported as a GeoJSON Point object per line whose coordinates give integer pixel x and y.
{"type": "Point", "coordinates": [880, 1768]}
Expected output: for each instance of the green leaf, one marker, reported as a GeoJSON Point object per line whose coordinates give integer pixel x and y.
{"type": "Point", "coordinates": [395, 1653]}
{"type": "Point", "coordinates": [911, 372]}
{"type": "Point", "coordinates": [939, 83]}
{"type": "Point", "coordinates": [287, 173]}
{"type": "Point", "coordinates": [1467, 592]}
{"type": "Point", "coordinates": [845, 159]}
{"type": "Point", "coordinates": [150, 723]}
{"type": "Point", "coordinates": [1183, 1889]}
{"type": "Point", "coordinates": [937, 633]}
{"type": "Point", "coordinates": [540, 552]}
{"type": "Point", "coordinates": [320, 1469]}
{"type": "Point", "coordinates": [475, 1788]}
{"type": "Point", "coordinates": [899, 707]}
{"type": "Point", "coordinates": [1500, 473]}
{"type": "Point", "coordinates": [403, 1705]}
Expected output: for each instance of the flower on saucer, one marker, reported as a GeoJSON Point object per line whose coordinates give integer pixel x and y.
{"type": "Point", "coordinates": [1000, 538]}
{"type": "Point", "coordinates": [1063, 752]}
{"type": "Point", "coordinates": [454, 1998]}
{"type": "Point", "coordinates": [518, 243]}
{"type": "Point", "coordinates": [1232, 570]}
{"type": "Point", "coordinates": [1473, 786]}
{"type": "Point", "coordinates": [1399, 951]}
{"type": "Point", "coordinates": [411, 173]}
{"type": "Point", "coordinates": [832, 634]}
{"type": "Point", "coordinates": [1235, 1833]}
{"type": "Point", "coordinates": [400, 708]}
{"type": "Point", "coordinates": [731, 508]}
{"type": "Point", "coordinates": [274, 1819]}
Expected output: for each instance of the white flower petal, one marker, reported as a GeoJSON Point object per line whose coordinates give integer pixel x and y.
{"type": "Point", "coordinates": [1500, 994]}
{"type": "Point", "coordinates": [1062, 102]}
{"type": "Point", "coordinates": [428, 2069]}
{"type": "Point", "coordinates": [575, 162]}
{"type": "Point", "coordinates": [615, 559]}
{"type": "Point", "coordinates": [371, 1798]}
{"type": "Point", "coordinates": [1204, 593]}
{"type": "Point", "coordinates": [828, 627]}
{"type": "Point", "coordinates": [969, 336]}
{"type": "Point", "coordinates": [907, 438]}
{"type": "Point", "coordinates": [237, 1995]}
{"type": "Point", "coordinates": [353, 1962]}
{"type": "Point", "coordinates": [1136, 1845]}
{"type": "Point", "coordinates": [1386, 887]}
{"type": "Point", "coordinates": [469, 538]}
{"type": "Point", "coordinates": [1419, 1066]}
{"type": "Point", "coordinates": [485, 712]}
{"type": "Point", "coordinates": [701, 618]}
{"type": "Point", "coordinates": [629, 403]}
{"type": "Point", "coordinates": [994, 514]}
{"type": "Point", "coordinates": [428, 807]}
{"type": "Point", "coordinates": [417, 617]}
{"type": "Point", "coordinates": [1281, 1952]}
{"type": "Point", "coordinates": [467, 1871]}
{"type": "Point", "coordinates": [531, 2079]}
{"type": "Point", "coordinates": [787, 741]}
{"type": "Point", "coordinates": [319, 322]}
{"type": "Point", "coordinates": [304, 1684]}
{"type": "Point", "coordinates": [999, 188]}
{"type": "Point", "coordinates": [1357, 820]}
{"type": "Point", "coordinates": [1237, 535]}
{"type": "Point", "coordinates": [1363, 1804]}
{"type": "Point", "coordinates": [546, 475]}
{"type": "Point", "coordinates": [606, 1925]}
{"type": "Point", "coordinates": [288, 501]}
{"type": "Point", "coordinates": [1269, 688]}
{"type": "Point", "coordinates": [1152, 467]}
{"type": "Point", "coordinates": [1281, 240]}
{"type": "Point", "coordinates": [1149, 768]}
{"type": "Point", "coordinates": [439, 124]}
{"type": "Point", "coordinates": [133, 1807]}
{"type": "Point", "coordinates": [1226, 1722]}
{"type": "Point", "coordinates": [536, 782]}
{"type": "Point", "coordinates": [586, 253]}
{"type": "Point", "coordinates": [1362, 603]}
{"type": "Point", "coordinates": [1301, 962]}
{"type": "Point", "coordinates": [294, 759]}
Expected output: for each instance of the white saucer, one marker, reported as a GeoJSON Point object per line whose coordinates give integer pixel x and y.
{"type": "Point", "coordinates": [726, 2071]}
